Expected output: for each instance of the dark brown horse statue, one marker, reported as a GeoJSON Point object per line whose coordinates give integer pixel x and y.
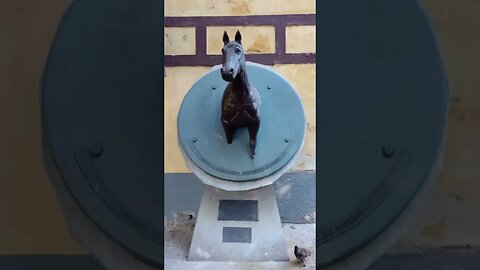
{"type": "Point", "coordinates": [240, 102]}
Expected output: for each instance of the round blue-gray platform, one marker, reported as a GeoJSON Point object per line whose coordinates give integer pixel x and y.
{"type": "Point", "coordinates": [381, 115]}
{"type": "Point", "coordinates": [229, 166]}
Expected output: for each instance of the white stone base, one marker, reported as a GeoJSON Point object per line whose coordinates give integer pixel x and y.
{"type": "Point", "coordinates": [267, 241]}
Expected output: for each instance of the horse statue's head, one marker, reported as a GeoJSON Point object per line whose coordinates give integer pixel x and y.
{"type": "Point", "coordinates": [233, 58]}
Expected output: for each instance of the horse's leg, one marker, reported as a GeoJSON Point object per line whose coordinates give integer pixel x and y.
{"type": "Point", "coordinates": [253, 130]}
{"type": "Point", "coordinates": [228, 132]}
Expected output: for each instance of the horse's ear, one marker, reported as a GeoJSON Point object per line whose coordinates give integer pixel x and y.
{"type": "Point", "coordinates": [226, 39]}
{"type": "Point", "coordinates": [238, 37]}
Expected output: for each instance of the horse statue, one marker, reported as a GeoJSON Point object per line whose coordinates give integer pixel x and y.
{"type": "Point", "coordinates": [241, 101]}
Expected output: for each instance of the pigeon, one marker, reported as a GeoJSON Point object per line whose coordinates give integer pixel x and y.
{"type": "Point", "coordinates": [301, 254]}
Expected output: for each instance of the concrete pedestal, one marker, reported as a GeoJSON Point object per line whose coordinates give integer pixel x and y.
{"type": "Point", "coordinates": [238, 226]}
{"type": "Point", "coordinates": [238, 218]}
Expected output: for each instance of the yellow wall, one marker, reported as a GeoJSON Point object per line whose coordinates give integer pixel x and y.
{"type": "Point", "coordinates": [451, 214]}
{"type": "Point", "coordinates": [237, 7]}
{"type": "Point", "coordinates": [179, 41]}
{"type": "Point", "coordinates": [30, 218]}
{"type": "Point", "coordinates": [300, 39]}
{"type": "Point", "coordinates": [255, 39]}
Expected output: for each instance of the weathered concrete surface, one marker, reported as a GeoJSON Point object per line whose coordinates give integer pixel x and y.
{"type": "Point", "coordinates": [426, 261]}
{"type": "Point", "coordinates": [266, 240]}
{"type": "Point", "coordinates": [177, 242]}
{"type": "Point", "coordinates": [295, 196]}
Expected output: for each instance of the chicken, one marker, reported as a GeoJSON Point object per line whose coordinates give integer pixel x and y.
{"type": "Point", "coordinates": [301, 254]}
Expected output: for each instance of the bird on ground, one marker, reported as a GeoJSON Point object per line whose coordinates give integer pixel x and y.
{"type": "Point", "coordinates": [301, 254]}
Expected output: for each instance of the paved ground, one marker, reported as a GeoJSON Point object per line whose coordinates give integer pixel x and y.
{"type": "Point", "coordinates": [416, 261]}
{"type": "Point", "coordinates": [179, 235]}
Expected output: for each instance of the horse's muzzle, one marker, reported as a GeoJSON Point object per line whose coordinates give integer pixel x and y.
{"type": "Point", "coordinates": [227, 76]}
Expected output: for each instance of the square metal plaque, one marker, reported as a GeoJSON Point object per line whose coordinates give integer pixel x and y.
{"type": "Point", "coordinates": [238, 210]}
{"type": "Point", "coordinates": [237, 235]}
